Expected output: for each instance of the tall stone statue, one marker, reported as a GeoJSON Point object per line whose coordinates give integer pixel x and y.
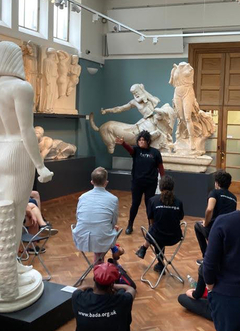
{"type": "Point", "coordinates": [50, 76]}
{"type": "Point", "coordinates": [158, 121]}
{"type": "Point", "coordinates": [19, 156]}
{"type": "Point", "coordinates": [53, 149]}
{"type": "Point", "coordinates": [194, 125]}
{"type": "Point", "coordinates": [63, 67]}
{"type": "Point", "coordinates": [30, 59]}
{"type": "Point", "coordinates": [74, 73]}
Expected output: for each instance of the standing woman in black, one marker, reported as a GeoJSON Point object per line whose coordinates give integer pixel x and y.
{"type": "Point", "coordinates": [147, 162]}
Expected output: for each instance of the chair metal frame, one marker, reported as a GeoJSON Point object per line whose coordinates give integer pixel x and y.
{"type": "Point", "coordinates": [30, 241]}
{"type": "Point", "coordinates": [162, 257]}
{"type": "Point", "coordinates": [91, 265]}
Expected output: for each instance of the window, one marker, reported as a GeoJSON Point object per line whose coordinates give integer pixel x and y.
{"type": "Point", "coordinates": [61, 23]}
{"type": "Point", "coordinates": [29, 14]}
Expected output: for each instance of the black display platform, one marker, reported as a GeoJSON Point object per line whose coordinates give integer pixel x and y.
{"type": "Point", "coordinates": [70, 176]}
{"type": "Point", "coordinates": [52, 310]}
{"type": "Point", "coordinates": [191, 188]}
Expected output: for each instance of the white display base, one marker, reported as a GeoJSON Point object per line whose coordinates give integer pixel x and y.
{"type": "Point", "coordinates": [28, 294]}
{"type": "Point", "coordinates": [188, 163]}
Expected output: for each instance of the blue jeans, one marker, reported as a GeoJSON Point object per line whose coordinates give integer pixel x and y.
{"type": "Point", "coordinates": [225, 311]}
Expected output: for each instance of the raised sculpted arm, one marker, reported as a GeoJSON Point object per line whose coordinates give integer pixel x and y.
{"type": "Point", "coordinates": [118, 109]}
{"type": "Point", "coordinates": [23, 99]}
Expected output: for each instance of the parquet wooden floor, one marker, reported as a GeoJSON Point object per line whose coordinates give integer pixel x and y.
{"type": "Point", "coordinates": [153, 310]}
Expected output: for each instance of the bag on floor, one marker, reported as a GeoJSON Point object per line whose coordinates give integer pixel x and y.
{"type": "Point", "coordinates": [124, 277]}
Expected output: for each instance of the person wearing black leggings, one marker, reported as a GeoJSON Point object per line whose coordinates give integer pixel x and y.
{"type": "Point", "coordinates": [147, 162]}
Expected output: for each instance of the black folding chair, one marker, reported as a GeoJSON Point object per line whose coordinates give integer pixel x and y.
{"type": "Point", "coordinates": [160, 256]}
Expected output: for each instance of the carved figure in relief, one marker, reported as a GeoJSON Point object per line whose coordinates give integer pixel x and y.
{"type": "Point", "coordinates": [74, 73]}
{"type": "Point", "coordinates": [19, 156]}
{"type": "Point", "coordinates": [31, 68]}
{"type": "Point", "coordinates": [158, 121]}
{"type": "Point", "coordinates": [194, 125]}
{"type": "Point", "coordinates": [63, 68]}
{"type": "Point", "coordinates": [50, 75]}
{"type": "Point", "coordinates": [53, 149]}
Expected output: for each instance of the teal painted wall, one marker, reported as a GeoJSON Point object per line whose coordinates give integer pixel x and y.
{"type": "Point", "coordinates": [116, 78]}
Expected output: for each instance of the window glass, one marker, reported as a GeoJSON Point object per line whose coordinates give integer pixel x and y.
{"type": "Point", "coordinates": [61, 23]}
{"type": "Point", "coordinates": [28, 14]}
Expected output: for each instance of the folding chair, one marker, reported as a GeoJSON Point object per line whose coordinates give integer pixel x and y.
{"type": "Point", "coordinates": [161, 256]}
{"type": "Point", "coordinates": [91, 265]}
{"type": "Point", "coordinates": [28, 241]}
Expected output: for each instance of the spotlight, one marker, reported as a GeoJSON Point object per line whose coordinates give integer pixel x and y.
{"type": "Point", "coordinates": [142, 38]}
{"type": "Point", "coordinates": [95, 18]}
{"type": "Point", "coordinates": [75, 8]}
{"type": "Point", "coordinates": [155, 40]}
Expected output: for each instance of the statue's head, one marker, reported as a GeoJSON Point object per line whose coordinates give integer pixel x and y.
{"type": "Point", "coordinates": [74, 59]}
{"type": "Point", "coordinates": [139, 92]}
{"type": "Point", "coordinates": [11, 63]}
{"type": "Point", "coordinates": [39, 131]}
{"type": "Point", "coordinates": [51, 53]}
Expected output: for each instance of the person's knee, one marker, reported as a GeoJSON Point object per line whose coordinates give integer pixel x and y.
{"type": "Point", "coordinates": [197, 227]}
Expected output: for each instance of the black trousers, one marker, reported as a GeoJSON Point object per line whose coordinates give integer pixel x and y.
{"type": "Point", "coordinates": [225, 311]}
{"type": "Point", "coordinates": [200, 307]}
{"type": "Point", "coordinates": [137, 192]}
{"type": "Point", "coordinates": [202, 233]}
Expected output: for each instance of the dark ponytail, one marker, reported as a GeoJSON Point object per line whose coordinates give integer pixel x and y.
{"type": "Point", "coordinates": [166, 187]}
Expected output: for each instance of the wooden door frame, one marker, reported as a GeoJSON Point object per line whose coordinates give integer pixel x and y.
{"type": "Point", "coordinates": [194, 50]}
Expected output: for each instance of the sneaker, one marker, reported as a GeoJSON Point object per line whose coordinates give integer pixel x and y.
{"type": "Point", "coordinates": [45, 232]}
{"type": "Point", "coordinates": [129, 229]}
{"type": "Point", "coordinates": [199, 262]}
{"type": "Point", "coordinates": [31, 251]}
{"type": "Point", "coordinates": [158, 268]}
{"type": "Point", "coordinates": [141, 252]}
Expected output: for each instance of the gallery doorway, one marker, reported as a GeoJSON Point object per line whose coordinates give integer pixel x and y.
{"type": "Point", "coordinates": [217, 87]}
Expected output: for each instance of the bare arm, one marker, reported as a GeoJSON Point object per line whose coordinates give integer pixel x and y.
{"type": "Point", "coordinates": [118, 109]}
{"type": "Point", "coordinates": [127, 288]}
{"type": "Point", "coordinates": [209, 211]}
{"type": "Point", "coordinates": [23, 105]}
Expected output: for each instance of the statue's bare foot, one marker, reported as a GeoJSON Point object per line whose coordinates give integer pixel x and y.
{"type": "Point", "coordinates": [21, 269]}
{"type": "Point", "coordinates": [25, 280]}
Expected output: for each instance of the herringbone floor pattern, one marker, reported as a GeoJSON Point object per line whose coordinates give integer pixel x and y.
{"type": "Point", "coordinates": [153, 310]}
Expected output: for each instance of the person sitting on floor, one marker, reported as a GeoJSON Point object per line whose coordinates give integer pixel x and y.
{"type": "Point", "coordinates": [105, 306]}
{"type": "Point", "coordinates": [220, 201]}
{"type": "Point", "coordinates": [97, 214]}
{"type": "Point", "coordinates": [164, 212]}
{"type": "Point", "coordinates": [195, 299]}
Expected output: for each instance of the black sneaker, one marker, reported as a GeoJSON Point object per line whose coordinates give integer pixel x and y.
{"type": "Point", "coordinates": [158, 268]}
{"type": "Point", "coordinates": [129, 229]}
{"type": "Point", "coordinates": [32, 252]}
{"type": "Point", "coordinates": [141, 252]}
{"type": "Point", "coordinates": [199, 262]}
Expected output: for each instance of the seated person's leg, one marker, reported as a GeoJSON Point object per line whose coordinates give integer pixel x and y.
{"type": "Point", "coordinates": [142, 250]}
{"type": "Point", "coordinates": [36, 196]}
{"type": "Point", "coordinates": [199, 307]}
{"type": "Point", "coordinates": [201, 234]}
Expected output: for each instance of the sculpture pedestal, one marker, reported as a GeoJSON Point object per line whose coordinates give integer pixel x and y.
{"type": "Point", "coordinates": [52, 310]}
{"type": "Point", "coordinates": [188, 163]}
{"type": "Point", "coordinates": [28, 294]}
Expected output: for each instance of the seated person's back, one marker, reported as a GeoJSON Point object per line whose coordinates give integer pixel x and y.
{"type": "Point", "coordinates": [106, 306]}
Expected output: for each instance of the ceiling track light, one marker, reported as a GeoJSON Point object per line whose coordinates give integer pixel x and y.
{"type": "Point", "coordinates": [141, 39]}
{"type": "Point", "coordinates": [155, 40]}
{"type": "Point", "coordinates": [75, 8]}
{"type": "Point", "coordinates": [95, 17]}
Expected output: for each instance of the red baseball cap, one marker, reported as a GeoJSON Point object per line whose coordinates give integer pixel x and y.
{"type": "Point", "coordinates": [105, 273]}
